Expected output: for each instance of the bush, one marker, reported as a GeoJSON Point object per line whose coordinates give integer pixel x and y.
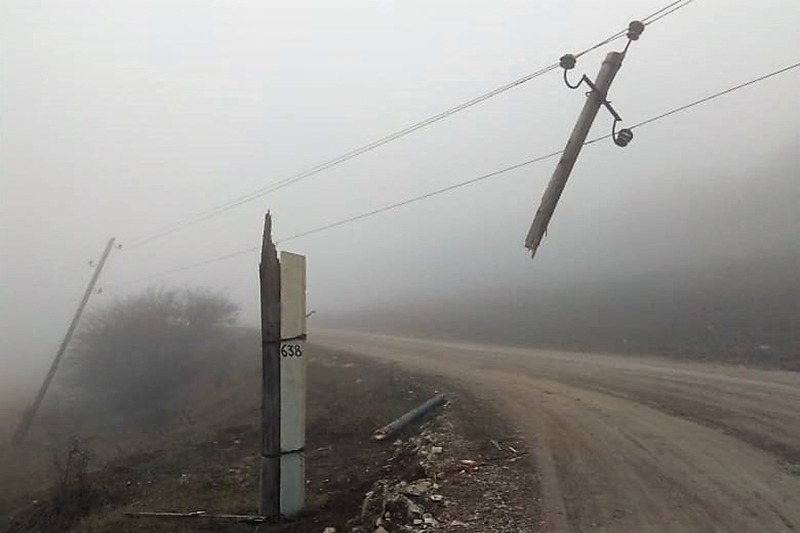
{"type": "Point", "coordinates": [137, 355]}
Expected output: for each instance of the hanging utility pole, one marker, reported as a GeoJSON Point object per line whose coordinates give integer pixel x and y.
{"type": "Point", "coordinates": [270, 465]}
{"type": "Point", "coordinates": [30, 414]}
{"type": "Point", "coordinates": [596, 97]}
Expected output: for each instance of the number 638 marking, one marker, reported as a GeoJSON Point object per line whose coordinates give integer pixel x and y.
{"type": "Point", "coordinates": [291, 350]}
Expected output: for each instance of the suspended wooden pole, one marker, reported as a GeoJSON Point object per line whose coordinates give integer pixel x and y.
{"type": "Point", "coordinates": [574, 144]}
{"type": "Point", "coordinates": [30, 414]}
{"type": "Point", "coordinates": [270, 465]}
{"type": "Point", "coordinates": [595, 98]}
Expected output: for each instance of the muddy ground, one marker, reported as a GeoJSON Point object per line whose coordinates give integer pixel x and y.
{"type": "Point", "coordinates": [464, 470]}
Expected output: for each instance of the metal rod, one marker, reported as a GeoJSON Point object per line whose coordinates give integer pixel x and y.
{"type": "Point", "coordinates": [243, 518]}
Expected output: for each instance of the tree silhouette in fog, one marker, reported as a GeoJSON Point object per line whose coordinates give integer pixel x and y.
{"type": "Point", "coordinates": [137, 354]}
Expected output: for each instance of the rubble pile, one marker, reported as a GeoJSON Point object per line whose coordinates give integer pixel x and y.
{"type": "Point", "coordinates": [436, 480]}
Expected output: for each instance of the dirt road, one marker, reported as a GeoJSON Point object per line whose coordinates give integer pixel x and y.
{"type": "Point", "coordinates": [633, 445]}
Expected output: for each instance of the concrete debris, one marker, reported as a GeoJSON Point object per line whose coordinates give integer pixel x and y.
{"type": "Point", "coordinates": [428, 519]}
{"type": "Point", "coordinates": [425, 485]}
{"type": "Point", "coordinates": [329, 530]}
{"type": "Point", "coordinates": [413, 508]}
{"type": "Point", "coordinates": [418, 488]}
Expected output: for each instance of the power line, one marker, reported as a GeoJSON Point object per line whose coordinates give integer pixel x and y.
{"type": "Point", "coordinates": [717, 95]}
{"type": "Point", "coordinates": [535, 160]}
{"type": "Point", "coordinates": [272, 187]}
{"type": "Point", "coordinates": [649, 19]}
{"type": "Point", "coordinates": [285, 182]}
{"type": "Point", "coordinates": [420, 197]}
{"type": "Point", "coordinates": [181, 269]}
{"type": "Point", "coordinates": [345, 221]}
{"type": "Point", "coordinates": [467, 182]}
{"type": "Point", "coordinates": [666, 11]}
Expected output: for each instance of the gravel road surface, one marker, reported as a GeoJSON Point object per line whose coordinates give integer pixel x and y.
{"type": "Point", "coordinates": [628, 444]}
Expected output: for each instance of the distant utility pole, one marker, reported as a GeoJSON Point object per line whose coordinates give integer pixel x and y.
{"type": "Point", "coordinates": [30, 414]}
{"type": "Point", "coordinates": [595, 98]}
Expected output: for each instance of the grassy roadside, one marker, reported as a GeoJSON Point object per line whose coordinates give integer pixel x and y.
{"type": "Point", "coordinates": [206, 457]}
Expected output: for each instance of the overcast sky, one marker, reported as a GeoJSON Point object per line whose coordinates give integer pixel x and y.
{"type": "Point", "coordinates": [118, 118]}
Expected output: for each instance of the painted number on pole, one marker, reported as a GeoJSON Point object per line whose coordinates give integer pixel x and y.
{"type": "Point", "coordinates": [293, 382]}
{"type": "Point", "coordinates": [291, 350]}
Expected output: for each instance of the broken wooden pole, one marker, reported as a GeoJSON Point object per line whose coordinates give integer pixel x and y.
{"type": "Point", "coordinates": [270, 464]}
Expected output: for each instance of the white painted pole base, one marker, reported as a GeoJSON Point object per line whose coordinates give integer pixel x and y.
{"type": "Point", "coordinates": [293, 383]}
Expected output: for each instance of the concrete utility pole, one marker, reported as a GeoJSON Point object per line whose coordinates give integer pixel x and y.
{"type": "Point", "coordinates": [293, 383]}
{"type": "Point", "coordinates": [594, 100]}
{"type": "Point", "coordinates": [283, 381]}
{"type": "Point", "coordinates": [30, 414]}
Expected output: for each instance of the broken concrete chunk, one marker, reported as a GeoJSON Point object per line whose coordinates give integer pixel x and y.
{"type": "Point", "coordinates": [418, 488]}
{"type": "Point", "coordinates": [411, 507]}
{"type": "Point", "coordinates": [428, 519]}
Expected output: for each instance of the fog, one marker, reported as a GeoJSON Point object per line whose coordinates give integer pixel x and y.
{"type": "Point", "coordinates": [121, 118]}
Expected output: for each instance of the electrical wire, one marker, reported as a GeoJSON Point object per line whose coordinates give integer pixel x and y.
{"type": "Point", "coordinates": [666, 11]}
{"type": "Point", "coordinates": [420, 197]}
{"type": "Point", "coordinates": [258, 193]}
{"type": "Point", "coordinates": [464, 183]}
{"type": "Point", "coordinates": [181, 269]}
{"type": "Point", "coordinates": [285, 182]}
{"type": "Point", "coordinates": [716, 95]}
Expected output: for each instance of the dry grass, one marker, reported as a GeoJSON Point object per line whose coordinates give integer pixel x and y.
{"type": "Point", "coordinates": [205, 457]}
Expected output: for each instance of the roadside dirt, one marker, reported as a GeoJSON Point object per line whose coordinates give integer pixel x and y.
{"type": "Point", "coordinates": [473, 484]}
{"type": "Point", "coordinates": [626, 444]}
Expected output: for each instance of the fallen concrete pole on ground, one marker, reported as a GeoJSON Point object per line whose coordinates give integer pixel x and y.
{"type": "Point", "coordinates": [415, 414]}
